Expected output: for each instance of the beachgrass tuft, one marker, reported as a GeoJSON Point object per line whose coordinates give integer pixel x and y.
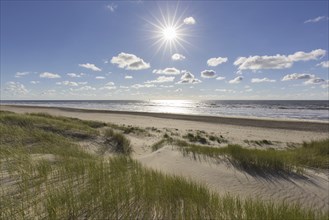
{"type": "Point", "coordinates": [314, 154]}
{"type": "Point", "coordinates": [118, 142]}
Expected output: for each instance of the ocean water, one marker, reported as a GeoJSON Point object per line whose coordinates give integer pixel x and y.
{"type": "Point", "coordinates": [303, 110]}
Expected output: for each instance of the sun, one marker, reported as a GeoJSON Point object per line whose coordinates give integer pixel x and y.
{"type": "Point", "coordinates": [169, 33]}
{"type": "Point", "coordinates": [167, 30]}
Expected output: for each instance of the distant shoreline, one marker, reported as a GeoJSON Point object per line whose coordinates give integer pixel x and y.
{"type": "Point", "coordinates": [289, 124]}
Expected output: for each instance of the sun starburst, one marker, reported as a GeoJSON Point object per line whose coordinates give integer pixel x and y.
{"type": "Point", "coordinates": [168, 31]}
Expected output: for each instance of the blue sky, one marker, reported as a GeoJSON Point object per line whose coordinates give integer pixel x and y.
{"type": "Point", "coordinates": [164, 50]}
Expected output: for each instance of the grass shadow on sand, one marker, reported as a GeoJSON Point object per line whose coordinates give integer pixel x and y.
{"type": "Point", "coordinates": [268, 163]}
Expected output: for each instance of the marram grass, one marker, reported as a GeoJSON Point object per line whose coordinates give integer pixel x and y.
{"type": "Point", "coordinates": [44, 180]}
{"type": "Point", "coordinates": [118, 142]}
{"type": "Point", "coordinates": [313, 154]}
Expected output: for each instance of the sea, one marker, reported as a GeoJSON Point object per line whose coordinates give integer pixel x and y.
{"type": "Point", "coordinates": [311, 110]}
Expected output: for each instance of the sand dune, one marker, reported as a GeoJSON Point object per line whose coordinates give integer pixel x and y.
{"type": "Point", "coordinates": [310, 190]}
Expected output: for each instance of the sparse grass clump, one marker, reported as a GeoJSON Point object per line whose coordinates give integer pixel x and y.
{"type": "Point", "coordinates": [24, 132]}
{"type": "Point", "coordinates": [135, 130]}
{"type": "Point", "coordinates": [259, 142]}
{"type": "Point", "coordinates": [71, 127]}
{"type": "Point", "coordinates": [219, 139]}
{"type": "Point", "coordinates": [249, 159]}
{"type": "Point", "coordinates": [158, 145]}
{"type": "Point", "coordinates": [166, 140]}
{"type": "Point", "coordinates": [201, 137]}
{"type": "Point", "coordinates": [154, 129]}
{"type": "Point", "coordinates": [92, 124]}
{"type": "Point", "coordinates": [129, 129]}
{"type": "Point", "coordinates": [196, 138]}
{"type": "Point", "coordinates": [118, 142]}
{"type": "Point", "coordinates": [314, 154]}
{"type": "Point", "coordinates": [254, 159]}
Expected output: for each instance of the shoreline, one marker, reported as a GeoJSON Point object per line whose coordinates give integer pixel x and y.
{"type": "Point", "coordinates": [286, 124]}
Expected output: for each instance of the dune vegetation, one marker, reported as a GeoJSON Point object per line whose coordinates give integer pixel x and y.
{"type": "Point", "coordinates": [46, 174]}
{"type": "Point", "coordinates": [313, 155]}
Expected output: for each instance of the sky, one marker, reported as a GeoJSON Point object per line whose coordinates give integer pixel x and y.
{"type": "Point", "coordinates": [140, 50]}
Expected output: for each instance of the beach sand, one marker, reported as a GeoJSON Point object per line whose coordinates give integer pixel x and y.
{"type": "Point", "coordinates": [311, 190]}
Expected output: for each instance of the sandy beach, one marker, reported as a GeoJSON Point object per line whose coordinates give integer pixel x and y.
{"type": "Point", "coordinates": [309, 189]}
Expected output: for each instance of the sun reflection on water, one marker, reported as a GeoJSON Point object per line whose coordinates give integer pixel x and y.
{"type": "Point", "coordinates": [173, 106]}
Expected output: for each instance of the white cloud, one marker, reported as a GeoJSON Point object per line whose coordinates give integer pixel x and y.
{"type": "Point", "coordinates": [257, 80]}
{"type": "Point", "coordinates": [277, 61]}
{"type": "Point", "coordinates": [108, 88]}
{"type": "Point", "coordinates": [16, 88]}
{"type": "Point", "coordinates": [317, 19]}
{"type": "Point", "coordinates": [124, 87]}
{"type": "Point", "coordinates": [311, 79]}
{"type": "Point", "coordinates": [324, 64]}
{"type": "Point", "coordinates": [220, 78]}
{"type": "Point", "coordinates": [302, 56]}
{"type": "Point", "coordinates": [216, 61]}
{"type": "Point", "coordinates": [49, 75]}
{"type": "Point", "coordinates": [225, 90]}
{"type": "Point", "coordinates": [236, 80]}
{"type": "Point", "coordinates": [84, 88]}
{"type": "Point", "coordinates": [90, 66]}
{"type": "Point", "coordinates": [296, 76]}
{"type": "Point", "coordinates": [177, 56]}
{"type": "Point", "coordinates": [263, 62]}
{"type": "Point", "coordinates": [112, 7]}
{"type": "Point", "coordinates": [67, 83]}
{"type": "Point", "coordinates": [138, 86]}
{"type": "Point", "coordinates": [314, 81]}
{"type": "Point", "coordinates": [20, 74]}
{"type": "Point", "coordinates": [129, 62]}
{"type": "Point", "coordinates": [325, 85]}
{"type": "Point", "coordinates": [34, 82]}
{"type": "Point", "coordinates": [99, 77]}
{"type": "Point", "coordinates": [178, 90]}
{"type": "Point", "coordinates": [208, 74]}
{"type": "Point", "coordinates": [189, 20]}
{"type": "Point", "coordinates": [188, 78]}
{"type": "Point", "coordinates": [167, 71]}
{"type": "Point", "coordinates": [166, 86]}
{"type": "Point", "coordinates": [110, 84]}
{"type": "Point", "coordinates": [82, 83]}
{"type": "Point", "coordinates": [75, 75]}
{"type": "Point", "coordinates": [161, 79]}
{"type": "Point", "coordinates": [49, 92]}
{"type": "Point", "coordinates": [128, 77]}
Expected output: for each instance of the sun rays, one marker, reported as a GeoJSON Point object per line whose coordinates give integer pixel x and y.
{"type": "Point", "coordinates": [168, 31]}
